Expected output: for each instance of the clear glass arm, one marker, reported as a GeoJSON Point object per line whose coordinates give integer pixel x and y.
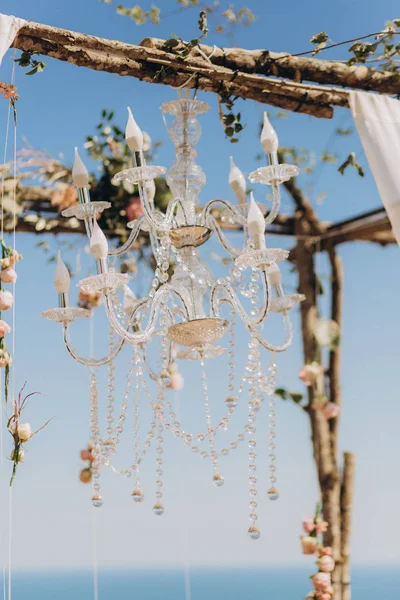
{"type": "Point", "coordinates": [212, 204]}
{"type": "Point", "coordinates": [130, 241]}
{"type": "Point", "coordinates": [229, 295]}
{"type": "Point", "coordinates": [143, 336]}
{"type": "Point", "coordinates": [90, 362]}
{"type": "Point", "coordinates": [276, 204]}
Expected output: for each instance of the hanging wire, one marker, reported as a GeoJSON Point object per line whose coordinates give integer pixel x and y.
{"type": "Point", "coordinates": [95, 559]}
{"type": "Point", "coordinates": [185, 531]}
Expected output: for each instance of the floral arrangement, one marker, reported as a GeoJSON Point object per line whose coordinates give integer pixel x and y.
{"type": "Point", "coordinates": [176, 378]}
{"type": "Point", "coordinates": [21, 432]}
{"type": "Point", "coordinates": [8, 275]}
{"type": "Point", "coordinates": [312, 544]}
{"type": "Point", "coordinates": [89, 300]}
{"type": "Point", "coordinates": [309, 375]}
{"type": "Point", "coordinates": [85, 475]}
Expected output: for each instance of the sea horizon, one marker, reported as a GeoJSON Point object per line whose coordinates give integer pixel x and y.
{"type": "Point", "coordinates": [283, 582]}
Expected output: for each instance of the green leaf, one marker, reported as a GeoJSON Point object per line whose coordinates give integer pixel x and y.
{"type": "Point", "coordinates": [297, 398]}
{"type": "Point", "coordinates": [171, 43]}
{"type": "Point", "coordinates": [282, 393]}
{"type": "Point", "coordinates": [319, 38]}
{"type": "Point", "coordinates": [229, 131]}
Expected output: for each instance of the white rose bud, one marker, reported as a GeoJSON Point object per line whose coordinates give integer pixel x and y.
{"type": "Point", "coordinates": [24, 432]}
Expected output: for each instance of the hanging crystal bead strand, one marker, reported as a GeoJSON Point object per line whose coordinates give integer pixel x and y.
{"type": "Point", "coordinates": [97, 499]}
{"type": "Point", "coordinates": [231, 400]}
{"type": "Point", "coordinates": [137, 494]}
{"type": "Point", "coordinates": [253, 367]}
{"type": "Point", "coordinates": [158, 507]}
{"type": "Point", "coordinates": [272, 493]}
{"type": "Point", "coordinates": [218, 480]}
{"type": "Point", "coordinates": [110, 384]}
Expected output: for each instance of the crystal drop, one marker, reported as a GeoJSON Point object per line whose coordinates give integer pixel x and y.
{"type": "Point", "coordinates": [253, 516]}
{"type": "Point", "coordinates": [253, 492]}
{"type": "Point", "coordinates": [253, 504]}
{"type": "Point", "coordinates": [231, 401]}
{"type": "Point", "coordinates": [137, 495]}
{"type": "Point", "coordinates": [252, 443]}
{"type": "Point", "coordinates": [273, 494]}
{"type": "Point", "coordinates": [159, 494]}
{"type": "Point", "coordinates": [203, 454]}
{"type": "Point", "coordinates": [158, 509]}
{"type": "Point", "coordinates": [97, 501]}
{"type": "Point", "coordinates": [225, 451]}
{"type": "Point", "coordinates": [218, 480]}
{"type": "Point", "coordinates": [254, 532]}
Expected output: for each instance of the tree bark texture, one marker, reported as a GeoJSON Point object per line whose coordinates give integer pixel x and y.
{"type": "Point", "coordinates": [243, 73]}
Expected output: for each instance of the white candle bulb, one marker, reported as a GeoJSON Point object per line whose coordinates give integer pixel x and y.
{"type": "Point", "coordinates": [130, 300]}
{"type": "Point", "coordinates": [80, 175]}
{"type": "Point", "coordinates": [237, 181]}
{"type": "Point", "coordinates": [150, 189]}
{"type": "Point", "coordinates": [274, 274]}
{"type": "Point", "coordinates": [255, 219]}
{"type": "Point", "coordinates": [62, 279]}
{"type": "Point", "coordinates": [269, 139]}
{"type": "Point", "coordinates": [133, 134]}
{"type": "Point", "coordinates": [98, 243]}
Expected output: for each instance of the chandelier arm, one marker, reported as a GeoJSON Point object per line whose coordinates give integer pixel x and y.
{"type": "Point", "coordinates": [154, 376]}
{"type": "Point", "coordinates": [213, 225]}
{"type": "Point", "coordinates": [276, 204]}
{"type": "Point", "coordinates": [90, 362]}
{"type": "Point", "coordinates": [288, 336]}
{"type": "Point", "coordinates": [233, 300]}
{"type": "Point", "coordinates": [132, 237]}
{"type": "Point", "coordinates": [144, 335]}
{"type": "Point", "coordinates": [208, 207]}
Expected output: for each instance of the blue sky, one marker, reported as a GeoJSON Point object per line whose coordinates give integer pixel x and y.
{"type": "Point", "coordinates": [52, 509]}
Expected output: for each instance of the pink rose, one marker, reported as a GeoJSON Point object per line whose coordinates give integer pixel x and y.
{"type": "Point", "coordinates": [6, 300]}
{"type": "Point", "coordinates": [326, 564]}
{"type": "Point", "coordinates": [321, 581]}
{"type": "Point", "coordinates": [5, 358]}
{"type": "Point", "coordinates": [329, 590]}
{"type": "Point", "coordinates": [309, 373]}
{"type": "Point", "coordinates": [134, 209]}
{"type": "Point", "coordinates": [326, 551]}
{"type": "Point", "coordinates": [309, 544]}
{"type": "Point", "coordinates": [321, 526]}
{"type": "Point", "coordinates": [177, 381]}
{"type": "Point", "coordinates": [4, 328]}
{"type": "Point", "coordinates": [331, 410]}
{"type": "Point", "coordinates": [86, 455]}
{"type": "Point", "coordinates": [8, 275]}
{"type": "Point", "coordinates": [308, 525]}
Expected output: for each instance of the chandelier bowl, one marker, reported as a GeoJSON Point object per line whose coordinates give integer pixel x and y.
{"type": "Point", "coordinates": [189, 235]}
{"type": "Point", "coordinates": [198, 331]}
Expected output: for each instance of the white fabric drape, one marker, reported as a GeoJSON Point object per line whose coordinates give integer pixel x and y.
{"type": "Point", "coordinates": [377, 119]}
{"type": "Point", "coordinates": [9, 27]}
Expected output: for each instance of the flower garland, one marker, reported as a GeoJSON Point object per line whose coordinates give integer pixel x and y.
{"type": "Point", "coordinates": [86, 473]}
{"type": "Point", "coordinates": [312, 544]}
{"type": "Point", "coordinates": [21, 432]}
{"type": "Point", "coordinates": [7, 276]}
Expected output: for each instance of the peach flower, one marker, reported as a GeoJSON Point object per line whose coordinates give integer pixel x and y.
{"type": "Point", "coordinates": [308, 525]}
{"type": "Point", "coordinates": [134, 209]}
{"type": "Point", "coordinates": [8, 275]}
{"type": "Point", "coordinates": [5, 358]}
{"type": "Point", "coordinates": [91, 298]}
{"type": "Point", "coordinates": [326, 564]}
{"type": "Point", "coordinates": [309, 544]}
{"type": "Point", "coordinates": [321, 581]}
{"type": "Point", "coordinates": [321, 526]}
{"type": "Point", "coordinates": [4, 328]}
{"type": "Point", "coordinates": [331, 410]}
{"type": "Point", "coordinates": [6, 300]}
{"type": "Point", "coordinates": [86, 455]}
{"type": "Point", "coordinates": [325, 596]}
{"type": "Point", "coordinates": [85, 476]}
{"type": "Point", "coordinates": [309, 373]}
{"type": "Point", "coordinates": [17, 457]}
{"type": "Point", "coordinates": [177, 382]}
{"type": "Point", "coordinates": [326, 551]}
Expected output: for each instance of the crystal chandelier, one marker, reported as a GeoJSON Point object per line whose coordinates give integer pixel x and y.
{"type": "Point", "coordinates": [189, 310]}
